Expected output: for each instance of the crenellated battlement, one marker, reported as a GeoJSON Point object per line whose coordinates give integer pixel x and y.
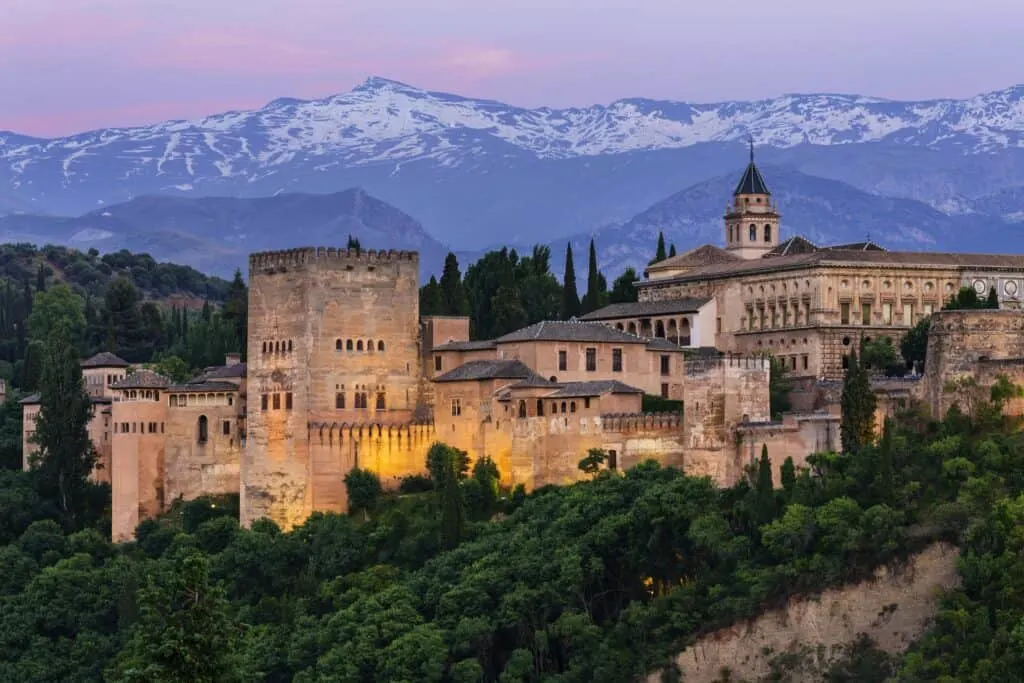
{"type": "Point", "coordinates": [273, 261]}
{"type": "Point", "coordinates": [641, 422]}
{"type": "Point", "coordinates": [700, 366]}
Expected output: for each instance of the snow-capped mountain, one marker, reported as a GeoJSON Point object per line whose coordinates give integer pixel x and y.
{"type": "Point", "coordinates": [479, 171]}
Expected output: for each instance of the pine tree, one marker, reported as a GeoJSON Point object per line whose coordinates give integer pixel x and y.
{"type": "Point", "coordinates": [596, 285]}
{"type": "Point", "coordinates": [452, 291]}
{"type": "Point", "coordinates": [858, 407]}
{"type": "Point", "coordinates": [123, 318]}
{"type": "Point", "coordinates": [66, 455]}
{"type": "Point", "coordinates": [993, 298]}
{"type": "Point", "coordinates": [624, 288]}
{"type": "Point", "coordinates": [570, 297]}
{"type": "Point", "coordinates": [431, 298]}
{"type": "Point", "coordinates": [765, 491]}
{"type": "Point", "coordinates": [672, 250]}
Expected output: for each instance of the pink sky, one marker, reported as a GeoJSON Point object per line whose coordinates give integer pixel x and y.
{"type": "Point", "coordinates": [73, 65]}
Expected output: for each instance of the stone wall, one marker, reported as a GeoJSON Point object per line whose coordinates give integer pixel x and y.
{"type": "Point", "coordinates": [137, 459]}
{"type": "Point", "coordinates": [960, 343]}
{"type": "Point", "coordinates": [796, 436]}
{"type": "Point", "coordinates": [893, 608]}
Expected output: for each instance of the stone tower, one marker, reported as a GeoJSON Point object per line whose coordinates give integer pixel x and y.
{"type": "Point", "coordinates": [751, 222]}
{"type": "Point", "coordinates": [333, 338]}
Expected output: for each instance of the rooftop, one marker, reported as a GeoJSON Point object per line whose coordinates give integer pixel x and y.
{"type": "Point", "coordinates": [104, 359]}
{"type": "Point", "coordinates": [571, 330]}
{"type": "Point", "coordinates": [594, 388]}
{"type": "Point", "coordinates": [222, 372]}
{"type": "Point", "coordinates": [478, 370]}
{"type": "Point", "coordinates": [642, 309]}
{"type": "Point", "coordinates": [203, 386]}
{"type": "Point", "coordinates": [143, 379]}
{"type": "Point", "coordinates": [751, 182]}
{"type": "Point", "coordinates": [484, 345]}
{"type": "Point", "coordinates": [703, 255]}
{"type": "Point", "coordinates": [34, 398]}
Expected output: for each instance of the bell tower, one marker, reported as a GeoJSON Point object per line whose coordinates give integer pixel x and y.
{"type": "Point", "coordinates": [751, 221]}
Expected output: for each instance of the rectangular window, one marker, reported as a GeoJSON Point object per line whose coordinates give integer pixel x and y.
{"type": "Point", "coordinates": [437, 363]}
{"type": "Point", "coordinates": [718, 325]}
{"type": "Point", "coordinates": [664, 365]}
{"type": "Point", "coordinates": [613, 460]}
{"type": "Point", "coordinates": [263, 402]}
{"type": "Point", "coordinates": [807, 314]}
{"type": "Point", "coordinates": [664, 390]}
{"type": "Point", "coordinates": [226, 427]}
{"type": "Point", "coordinates": [844, 313]}
{"type": "Point", "coordinates": [288, 401]}
{"type": "Point", "coordinates": [805, 362]}
{"type": "Point", "coordinates": [616, 360]}
{"type": "Point", "coordinates": [887, 314]}
{"type": "Point", "coordinates": [586, 403]}
{"type": "Point", "coordinates": [785, 316]}
{"type": "Point", "coordinates": [563, 361]}
{"type": "Point", "coordinates": [456, 407]}
{"type": "Point", "coordinates": [591, 360]}
{"type": "Point", "coordinates": [339, 401]}
{"type": "Point", "coordinates": [865, 314]}
{"type": "Point", "coordinates": [908, 314]}
{"type": "Point", "coordinates": [928, 309]}
{"type": "Point", "coordinates": [277, 401]}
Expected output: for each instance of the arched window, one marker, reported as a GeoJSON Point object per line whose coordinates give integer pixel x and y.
{"type": "Point", "coordinates": [337, 345]}
{"type": "Point", "coordinates": [204, 429]}
{"type": "Point", "coordinates": [522, 409]}
{"type": "Point", "coordinates": [380, 400]}
{"type": "Point", "coordinates": [659, 329]}
{"type": "Point", "coordinates": [730, 233]}
{"type": "Point", "coordinates": [277, 347]}
{"type": "Point", "coordinates": [289, 346]}
{"type": "Point", "coordinates": [264, 347]}
{"type": "Point", "coordinates": [619, 327]}
{"type": "Point", "coordinates": [348, 345]}
{"type": "Point", "coordinates": [767, 233]}
{"type": "Point", "coordinates": [572, 407]}
{"type": "Point", "coordinates": [359, 345]}
{"type": "Point", "coordinates": [380, 345]}
{"type": "Point", "coordinates": [563, 406]}
{"type": "Point", "coordinates": [540, 408]}
{"type": "Point", "coordinates": [753, 233]}
{"type": "Point", "coordinates": [369, 346]}
{"type": "Point", "coordinates": [339, 401]}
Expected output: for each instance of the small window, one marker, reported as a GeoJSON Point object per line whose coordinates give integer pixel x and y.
{"type": "Point", "coordinates": [369, 346]}
{"type": "Point", "coordinates": [586, 403]}
{"type": "Point", "coordinates": [359, 345]}
{"type": "Point", "coordinates": [563, 361]}
{"type": "Point", "coordinates": [264, 347]}
{"type": "Point", "coordinates": [348, 345]}
{"type": "Point", "coordinates": [289, 346]}
{"type": "Point", "coordinates": [804, 362]}
{"type": "Point", "coordinates": [664, 390]}
{"type": "Point", "coordinates": [767, 233]}
{"type": "Point", "coordinates": [613, 460]}
{"type": "Point", "coordinates": [380, 401]}
{"type": "Point", "coordinates": [616, 360]}
{"type": "Point", "coordinates": [339, 401]}
{"type": "Point", "coordinates": [563, 406]}
{"type": "Point", "coordinates": [277, 401]}
{"type": "Point", "coordinates": [540, 408]}
{"type": "Point", "coordinates": [591, 359]}
{"type": "Point", "coordinates": [288, 401]}
{"type": "Point", "coordinates": [337, 345]}
{"type": "Point", "coordinates": [844, 313]}
{"type": "Point", "coordinates": [263, 402]}
{"type": "Point", "coordinates": [380, 345]}
{"type": "Point", "coordinates": [572, 406]}
{"type": "Point", "coordinates": [718, 325]}
{"type": "Point", "coordinates": [456, 407]}
{"type": "Point", "coordinates": [865, 310]}
{"type": "Point", "coordinates": [753, 233]}
{"type": "Point", "coordinates": [437, 363]}
{"type": "Point", "coordinates": [522, 409]}
{"type": "Point", "coordinates": [665, 365]}
{"type": "Point", "coordinates": [204, 427]}
{"type": "Point", "coordinates": [226, 428]}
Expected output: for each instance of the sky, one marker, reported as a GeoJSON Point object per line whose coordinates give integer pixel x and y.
{"type": "Point", "coordinates": [68, 66]}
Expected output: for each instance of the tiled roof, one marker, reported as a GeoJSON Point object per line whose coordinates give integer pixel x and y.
{"type": "Point", "coordinates": [751, 182]}
{"type": "Point", "coordinates": [659, 344]}
{"type": "Point", "coordinates": [104, 359]}
{"type": "Point", "coordinates": [595, 388]}
{"type": "Point", "coordinates": [832, 256]}
{"type": "Point", "coordinates": [484, 345]}
{"type": "Point", "coordinates": [640, 309]}
{"type": "Point", "coordinates": [487, 369]}
{"type": "Point", "coordinates": [32, 399]}
{"type": "Point", "coordinates": [142, 379]}
{"type": "Point", "coordinates": [203, 386]}
{"type": "Point", "coordinates": [222, 372]}
{"type": "Point", "coordinates": [572, 330]}
{"type": "Point", "coordinates": [703, 255]}
{"type": "Point", "coordinates": [797, 244]}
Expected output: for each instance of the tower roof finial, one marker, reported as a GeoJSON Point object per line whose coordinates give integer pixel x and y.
{"type": "Point", "coordinates": [750, 139]}
{"type": "Point", "coordinates": [751, 182]}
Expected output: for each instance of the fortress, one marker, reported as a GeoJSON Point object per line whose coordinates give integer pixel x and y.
{"type": "Point", "coordinates": [342, 372]}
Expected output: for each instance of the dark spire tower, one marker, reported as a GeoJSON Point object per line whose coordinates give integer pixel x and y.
{"type": "Point", "coordinates": [751, 221]}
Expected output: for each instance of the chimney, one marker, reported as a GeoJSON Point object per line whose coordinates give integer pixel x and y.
{"type": "Point", "coordinates": [232, 358]}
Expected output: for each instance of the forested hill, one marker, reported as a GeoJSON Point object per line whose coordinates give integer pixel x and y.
{"type": "Point", "coordinates": [89, 273]}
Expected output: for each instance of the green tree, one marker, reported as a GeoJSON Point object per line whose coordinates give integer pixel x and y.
{"type": "Point", "coordinates": [914, 345]}
{"type": "Point", "coordinates": [184, 633]}
{"type": "Point", "coordinates": [453, 293]}
{"type": "Point", "coordinates": [448, 466]}
{"type": "Point", "coordinates": [624, 288]}
{"type": "Point", "coordinates": [570, 298]}
{"type": "Point", "coordinates": [764, 491]}
{"type": "Point", "coordinates": [965, 299]}
{"type": "Point", "coordinates": [123, 320]}
{"type": "Point", "coordinates": [886, 468]}
{"type": "Point", "coordinates": [65, 456]}
{"type": "Point", "coordinates": [659, 253]}
{"type": "Point", "coordinates": [41, 278]}
{"type": "Point", "coordinates": [32, 366]}
{"type": "Point", "coordinates": [787, 477]}
{"type": "Point", "coordinates": [364, 491]}
{"type": "Point", "coordinates": [878, 354]}
{"type": "Point", "coordinates": [57, 311]}
{"type": "Point", "coordinates": [431, 298]}
{"type": "Point", "coordinates": [172, 367]}
{"type": "Point", "coordinates": [592, 462]}
{"type": "Point", "coordinates": [671, 250]}
{"type": "Point", "coordinates": [353, 243]}
{"type": "Point", "coordinates": [993, 298]}
{"type": "Point", "coordinates": [857, 423]}
{"type": "Point", "coordinates": [779, 388]}
{"type": "Point", "coordinates": [236, 310]}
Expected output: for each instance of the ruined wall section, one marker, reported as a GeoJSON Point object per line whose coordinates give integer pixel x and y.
{"type": "Point", "coordinates": [961, 342]}
{"type": "Point", "coordinates": [720, 394]}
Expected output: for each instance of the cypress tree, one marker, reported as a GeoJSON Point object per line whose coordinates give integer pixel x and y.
{"type": "Point", "coordinates": [431, 298]}
{"type": "Point", "coordinates": [570, 297]}
{"type": "Point", "coordinates": [353, 243]}
{"type": "Point", "coordinates": [788, 477]}
{"type": "Point", "coordinates": [993, 298]}
{"type": "Point", "coordinates": [659, 254]}
{"type": "Point", "coordinates": [624, 289]}
{"type": "Point", "coordinates": [32, 367]}
{"type": "Point", "coordinates": [858, 407]}
{"type": "Point", "coordinates": [596, 284]}
{"type": "Point", "coordinates": [41, 278]}
{"type": "Point", "coordinates": [236, 310]}
{"type": "Point", "coordinates": [765, 491]}
{"type": "Point", "coordinates": [672, 250]}
{"type": "Point", "coordinates": [66, 456]}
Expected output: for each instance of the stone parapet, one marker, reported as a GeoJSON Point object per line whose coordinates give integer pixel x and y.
{"type": "Point", "coordinates": [270, 261]}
